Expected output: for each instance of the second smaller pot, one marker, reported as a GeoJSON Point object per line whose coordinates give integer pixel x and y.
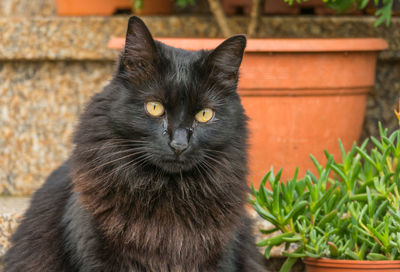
{"type": "Point", "coordinates": [331, 265]}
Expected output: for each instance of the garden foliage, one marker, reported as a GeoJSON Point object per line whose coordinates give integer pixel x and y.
{"type": "Point", "coordinates": [348, 208]}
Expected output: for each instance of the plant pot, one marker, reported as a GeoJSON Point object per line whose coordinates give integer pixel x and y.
{"type": "Point", "coordinates": [301, 95]}
{"type": "Point", "coordinates": [109, 7]}
{"type": "Point", "coordinates": [329, 265]}
{"type": "Point", "coordinates": [91, 7]}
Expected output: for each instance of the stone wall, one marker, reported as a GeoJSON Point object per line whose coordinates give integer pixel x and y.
{"type": "Point", "coordinates": [50, 66]}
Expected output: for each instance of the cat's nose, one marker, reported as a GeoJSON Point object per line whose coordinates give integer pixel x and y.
{"type": "Point", "coordinates": [179, 140]}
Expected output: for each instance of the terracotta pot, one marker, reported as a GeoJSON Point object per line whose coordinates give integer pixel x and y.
{"type": "Point", "coordinates": [91, 7]}
{"type": "Point", "coordinates": [109, 7]}
{"type": "Point", "coordinates": [329, 265]}
{"type": "Point", "coordinates": [301, 96]}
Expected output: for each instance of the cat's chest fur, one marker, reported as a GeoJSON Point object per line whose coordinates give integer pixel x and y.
{"type": "Point", "coordinates": [167, 233]}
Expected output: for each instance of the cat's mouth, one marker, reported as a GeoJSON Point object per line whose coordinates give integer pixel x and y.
{"type": "Point", "coordinates": [174, 165]}
{"type": "Point", "coordinates": [177, 161]}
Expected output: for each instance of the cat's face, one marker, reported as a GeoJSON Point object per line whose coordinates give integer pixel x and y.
{"type": "Point", "coordinates": [179, 108]}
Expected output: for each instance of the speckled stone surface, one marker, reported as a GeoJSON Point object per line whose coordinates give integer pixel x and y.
{"type": "Point", "coordinates": [49, 67]}
{"type": "Point", "coordinates": [27, 8]}
{"type": "Point", "coordinates": [40, 102]}
{"type": "Point", "coordinates": [85, 38]}
{"type": "Point", "coordinates": [383, 99]}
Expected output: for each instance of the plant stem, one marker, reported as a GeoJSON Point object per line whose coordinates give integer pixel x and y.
{"type": "Point", "coordinates": [255, 15]}
{"type": "Point", "coordinates": [216, 9]}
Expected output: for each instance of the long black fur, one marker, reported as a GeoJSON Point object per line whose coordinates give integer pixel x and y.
{"type": "Point", "coordinates": [125, 201]}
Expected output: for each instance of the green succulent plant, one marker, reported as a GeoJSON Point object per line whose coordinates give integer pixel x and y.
{"type": "Point", "coordinates": [346, 210]}
{"type": "Point", "coordinates": [383, 12]}
{"type": "Point", "coordinates": [138, 4]}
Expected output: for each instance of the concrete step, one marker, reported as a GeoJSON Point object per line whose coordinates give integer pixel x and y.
{"type": "Point", "coordinates": [11, 211]}
{"type": "Point", "coordinates": [13, 208]}
{"type": "Point", "coordinates": [28, 8]}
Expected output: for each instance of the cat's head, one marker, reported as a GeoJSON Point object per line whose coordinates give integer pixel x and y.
{"type": "Point", "coordinates": [174, 109]}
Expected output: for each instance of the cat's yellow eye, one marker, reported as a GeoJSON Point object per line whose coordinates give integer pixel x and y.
{"type": "Point", "coordinates": [204, 115]}
{"type": "Point", "coordinates": [155, 108]}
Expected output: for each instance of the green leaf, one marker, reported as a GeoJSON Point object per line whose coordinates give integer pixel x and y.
{"type": "Point", "coordinates": [300, 187]}
{"type": "Point", "coordinates": [342, 150]}
{"type": "Point", "coordinates": [362, 4]}
{"type": "Point", "coordinates": [364, 197]}
{"type": "Point", "coordinates": [266, 215]}
{"type": "Point", "coordinates": [365, 156]}
{"type": "Point", "coordinates": [297, 207]}
{"type": "Point", "coordinates": [362, 251]}
{"type": "Point", "coordinates": [138, 4]}
{"type": "Point", "coordinates": [292, 239]}
{"type": "Point", "coordinates": [339, 172]}
{"type": "Point", "coordinates": [351, 254]}
{"type": "Point", "coordinates": [264, 180]}
{"type": "Point", "coordinates": [377, 257]}
{"type": "Point", "coordinates": [316, 163]}
{"type": "Point", "coordinates": [268, 231]}
{"type": "Point", "coordinates": [267, 251]}
{"type": "Point", "coordinates": [339, 5]}
{"type": "Point", "coordinates": [384, 15]}
{"type": "Point", "coordinates": [381, 209]}
{"type": "Point", "coordinates": [278, 176]}
{"type": "Point", "coordinates": [276, 240]}
{"type": "Point", "coordinates": [184, 3]}
{"type": "Point", "coordinates": [315, 206]}
{"type": "Point", "coordinates": [276, 198]}
{"type": "Point", "coordinates": [327, 218]}
{"type": "Point", "coordinates": [312, 255]}
{"type": "Point", "coordinates": [377, 143]}
{"type": "Point", "coordinates": [287, 265]}
{"type": "Point", "coordinates": [334, 252]}
{"type": "Point", "coordinates": [294, 255]}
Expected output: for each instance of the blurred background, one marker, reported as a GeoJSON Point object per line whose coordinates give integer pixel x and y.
{"type": "Point", "coordinates": [54, 56]}
{"type": "Point", "coordinates": [51, 64]}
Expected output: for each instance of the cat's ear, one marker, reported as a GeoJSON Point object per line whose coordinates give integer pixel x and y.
{"type": "Point", "coordinates": [225, 60]}
{"type": "Point", "coordinates": [140, 52]}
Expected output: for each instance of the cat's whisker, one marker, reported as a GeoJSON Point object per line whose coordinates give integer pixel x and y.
{"type": "Point", "coordinates": [209, 191]}
{"type": "Point", "coordinates": [213, 169]}
{"type": "Point", "coordinates": [110, 155]}
{"type": "Point", "coordinates": [95, 158]}
{"type": "Point", "coordinates": [214, 160]}
{"type": "Point", "coordinates": [215, 151]}
{"type": "Point", "coordinates": [110, 162]}
{"type": "Point", "coordinates": [147, 157]}
{"type": "Point", "coordinates": [121, 167]}
{"type": "Point", "coordinates": [112, 145]}
{"type": "Point", "coordinates": [232, 169]}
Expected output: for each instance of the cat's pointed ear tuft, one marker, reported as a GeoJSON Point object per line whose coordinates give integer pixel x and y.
{"type": "Point", "coordinates": [140, 49]}
{"type": "Point", "coordinates": [227, 57]}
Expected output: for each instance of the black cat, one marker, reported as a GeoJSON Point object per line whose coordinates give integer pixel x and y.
{"type": "Point", "coordinates": [157, 177]}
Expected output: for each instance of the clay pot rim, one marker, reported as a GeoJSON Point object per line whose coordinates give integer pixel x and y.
{"type": "Point", "coordinates": [326, 262]}
{"type": "Point", "coordinates": [274, 45]}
